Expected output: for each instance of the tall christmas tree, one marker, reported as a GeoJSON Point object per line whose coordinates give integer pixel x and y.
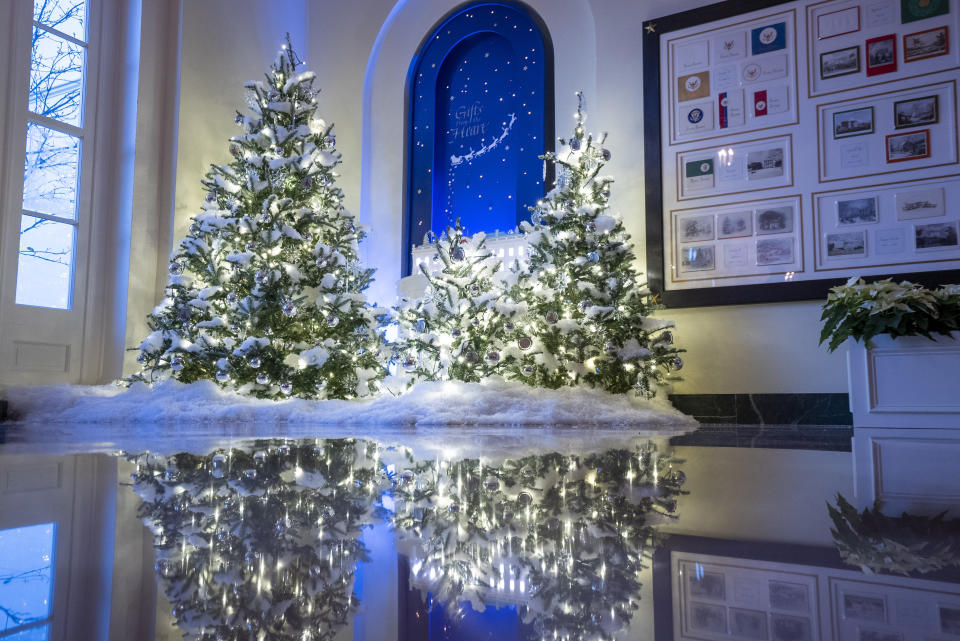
{"type": "Point", "coordinates": [265, 294]}
{"type": "Point", "coordinates": [457, 329]}
{"type": "Point", "coordinates": [589, 316]}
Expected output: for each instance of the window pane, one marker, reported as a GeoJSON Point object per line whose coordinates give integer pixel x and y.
{"type": "Point", "coordinates": [45, 263]}
{"type": "Point", "coordinates": [51, 171]}
{"type": "Point", "coordinates": [41, 633]}
{"type": "Point", "coordinates": [26, 577]}
{"type": "Point", "coordinates": [56, 77]}
{"type": "Point", "coordinates": [68, 16]}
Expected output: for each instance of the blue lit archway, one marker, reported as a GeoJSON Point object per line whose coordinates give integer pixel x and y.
{"type": "Point", "coordinates": [480, 112]}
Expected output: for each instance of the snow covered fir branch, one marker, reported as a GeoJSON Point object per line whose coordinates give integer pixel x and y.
{"type": "Point", "coordinates": [266, 292]}
{"type": "Point", "coordinates": [264, 541]}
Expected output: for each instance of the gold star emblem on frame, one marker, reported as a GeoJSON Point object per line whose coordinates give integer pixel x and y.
{"type": "Point", "coordinates": [651, 27]}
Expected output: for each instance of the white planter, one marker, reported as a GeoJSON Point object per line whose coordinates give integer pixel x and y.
{"type": "Point", "coordinates": [908, 382]}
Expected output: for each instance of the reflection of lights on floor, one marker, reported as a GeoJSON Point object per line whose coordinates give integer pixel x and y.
{"type": "Point", "coordinates": [789, 276]}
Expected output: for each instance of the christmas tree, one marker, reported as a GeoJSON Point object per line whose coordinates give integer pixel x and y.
{"type": "Point", "coordinates": [589, 316]}
{"type": "Point", "coordinates": [265, 294]}
{"type": "Point", "coordinates": [260, 542]}
{"type": "Point", "coordinates": [457, 330]}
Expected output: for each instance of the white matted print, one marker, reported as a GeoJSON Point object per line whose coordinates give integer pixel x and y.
{"type": "Point", "coordinates": [777, 250]}
{"type": "Point", "coordinates": [763, 164]}
{"type": "Point", "coordinates": [846, 244]}
{"type": "Point", "coordinates": [935, 236]}
{"type": "Point", "coordinates": [698, 259]}
{"type": "Point", "coordinates": [735, 224]}
{"type": "Point", "coordinates": [774, 220]}
{"type": "Point", "coordinates": [920, 203]}
{"type": "Point", "coordinates": [890, 241]}
{"type": "Point", "coordinates": [730, 46]}
{"type": "Point", "coordinates": [857, 211]}
{"type": "Point", "coordinates": [838, 23]}
{"type": "Point", "coordinates": [695, 228]}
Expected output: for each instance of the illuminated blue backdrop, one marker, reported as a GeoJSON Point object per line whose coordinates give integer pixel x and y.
{"type": "Point", "coordinates": [480, 114]}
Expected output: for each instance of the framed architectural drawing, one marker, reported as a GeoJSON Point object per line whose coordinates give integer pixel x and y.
{"type": "Point", "coordinates": [747, 201]}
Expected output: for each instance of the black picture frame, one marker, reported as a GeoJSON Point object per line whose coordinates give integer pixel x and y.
{"type": "Point", "coordinates": [784, 291]}
{"type": "Point", "coordinates": [857, 132]}
{"type": "Point", "coordinates": [855, 49]}
{"type": "Point", "coordinates": [898, 124]}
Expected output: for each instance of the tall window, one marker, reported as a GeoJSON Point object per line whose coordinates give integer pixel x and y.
{"type": "Point", "coordinates": [26, 582]}
{"type": "Point", "coordinates": [52, 168]}
{"type": "Point", "coordinates": [481, 112]}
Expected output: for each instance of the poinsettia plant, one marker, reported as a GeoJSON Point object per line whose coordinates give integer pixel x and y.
{"type": "Point", "coordinates": [862, 310]}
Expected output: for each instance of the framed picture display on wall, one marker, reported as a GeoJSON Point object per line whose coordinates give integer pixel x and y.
{"type": "Point", "coordinates": [747, 202]}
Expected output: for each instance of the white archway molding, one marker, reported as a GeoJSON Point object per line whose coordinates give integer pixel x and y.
{"type": "Point", "coordinates": [570, 24]}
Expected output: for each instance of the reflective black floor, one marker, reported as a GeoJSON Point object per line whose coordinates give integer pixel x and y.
{"type": "Point", "coordinates": [462, 534]}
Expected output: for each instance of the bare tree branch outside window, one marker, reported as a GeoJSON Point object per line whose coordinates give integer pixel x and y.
{"type": "Point", "coordinates": [55, 91]}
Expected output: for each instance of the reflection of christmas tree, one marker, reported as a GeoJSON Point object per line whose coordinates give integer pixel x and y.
{"type": "Point", "coordinates": [260, 543]}
{"type": "Point", "coordinates": [589, 316]}
{"type": "Point", "coordinates": [457, 329]}
{"type": "Point", "coordinates": [266, 291]}
{"type": "Point", "coordinates": [563, 535]}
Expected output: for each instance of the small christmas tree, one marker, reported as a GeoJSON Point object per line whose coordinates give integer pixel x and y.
{"type": "Point", "coordinates": [589, 317]}
{"type": "Point", "coordinates": [457, 330]}
{"type": "Point", "coordinates": [261, 542]}
{"type": "Point", "coordinates": [265, 294]}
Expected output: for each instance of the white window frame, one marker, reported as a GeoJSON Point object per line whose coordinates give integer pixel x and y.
{"type": "Point", "coordinates": [24, 326]}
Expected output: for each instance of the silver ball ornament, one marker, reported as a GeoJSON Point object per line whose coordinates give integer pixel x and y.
{"type": "Point", "coordinates": [458, 254]}
{"type": "Point", "coordinates": [593, 257]}
{"type": "Point", "coordinates": [254, 362]}
{"type": "Point", "coordinates": [262, 378]}
{"type": "Point", "coordinates": [333, 320]}
{"type": "Point", "coordinates": [262, 277]}
{"type": "Point", "coordinates": [222, 376]}
{"type": "Point", "coordinates": [525, 342]}
{"type": "Point", "coordinates": [142, 358]}
{"type": "Point", "coordinates": [176, 362]}
{"type": "Point", "coordinates": [286, 388]}
{"type": "Point", "coordinates": [677, 363]}
{"type": "Point", "coordinates": [493, 357]}
{"type": "Point", "coordinates": [605, 154]}
{"type": "Point", "coordinates": [551, 317]}
{"type": "Point", "coordinates": [288, 308]}
{"type": "Point", "coordinates": [175, 268]}
{"type": "Point", "coordinates": [575, 144]}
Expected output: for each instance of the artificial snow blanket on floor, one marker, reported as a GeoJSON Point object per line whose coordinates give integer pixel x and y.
{"type": "Point", "coordinates": [493, 402]}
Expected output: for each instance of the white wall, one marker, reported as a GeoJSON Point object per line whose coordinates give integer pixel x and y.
{"type": "Point", "coordinates": [361, 51]}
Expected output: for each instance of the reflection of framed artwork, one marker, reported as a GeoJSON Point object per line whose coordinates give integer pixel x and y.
{"type": "Point", "coordinates": [926, 44]}
{"type": "Point", "coordinates": [908, 146]}
{"type": "Point", "coordinates": [916, 112]}
{"type": "Point", "coordinates": [853, 122]}
{"type": "Point", "coordinates": [881, 55]}
{"type": "Point", "coordinates": [839, 62]}
{"type": "Point", "coordinates": [935, 236]}
{"type": "Point", "coordinates": [865, 607]}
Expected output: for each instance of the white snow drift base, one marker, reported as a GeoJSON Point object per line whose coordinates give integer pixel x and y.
{"type": "Point", "coordinates": [494, 402]}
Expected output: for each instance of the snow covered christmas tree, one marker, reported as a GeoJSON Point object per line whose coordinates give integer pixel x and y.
{"type": "Point", "coordinates": [265, 294]}
{"type": "Point", "coordinates": [458, 329]}
{"type": "Point", "coordinates": [589, 317]}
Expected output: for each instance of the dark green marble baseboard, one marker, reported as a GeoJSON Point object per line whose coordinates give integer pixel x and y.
{"type": "Point", "coordinates": [3, 410]}
{"type": "Point", "coordinates": [766, 409]}
{"type": "Point", "coordinates": [777, 437]}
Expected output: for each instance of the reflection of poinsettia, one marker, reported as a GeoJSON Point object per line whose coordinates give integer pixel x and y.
{"type": "Point", "coordinates": [563, 535]}
{"type": "Point", "coordinates": [260, 543]}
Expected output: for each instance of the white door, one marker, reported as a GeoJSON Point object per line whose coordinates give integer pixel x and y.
{"type": "Point", "coordinates": [46, 223]}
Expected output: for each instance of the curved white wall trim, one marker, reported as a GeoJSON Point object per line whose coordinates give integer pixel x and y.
{"type": "Point", "coordinates": [570, 24]}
